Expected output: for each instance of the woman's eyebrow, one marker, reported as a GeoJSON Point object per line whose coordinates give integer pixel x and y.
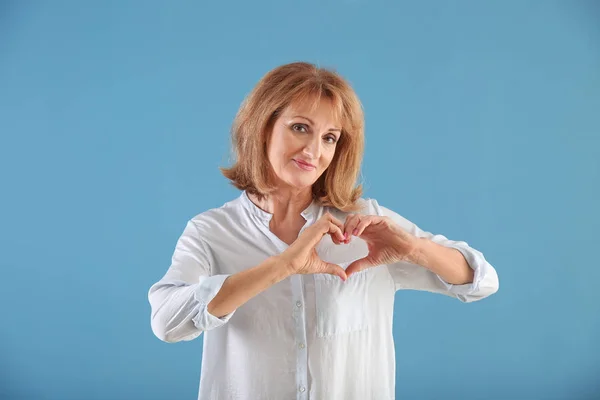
{"type": "Point", "coordinates": [310, 120]}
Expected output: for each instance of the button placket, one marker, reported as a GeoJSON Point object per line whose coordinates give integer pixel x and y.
{"type": "Point", "coordinates": [300, 321]}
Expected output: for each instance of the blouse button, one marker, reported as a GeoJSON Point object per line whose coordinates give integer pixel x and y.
{"type": "Point", "coordinates": [298, 304]}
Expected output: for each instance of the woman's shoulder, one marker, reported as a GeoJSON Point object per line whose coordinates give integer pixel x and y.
{"type": "Point", "coordinates": [219, 215]}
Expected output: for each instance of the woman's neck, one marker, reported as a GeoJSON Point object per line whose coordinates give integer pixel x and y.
{"type": "Point", "coordinates": [284, 204]}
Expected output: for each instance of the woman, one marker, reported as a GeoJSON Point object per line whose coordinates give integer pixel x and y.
{"type": "Point", "coordinates": [294, 281]}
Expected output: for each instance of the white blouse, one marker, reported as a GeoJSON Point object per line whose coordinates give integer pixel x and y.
{"type": "Point", "coordinates": [308, 336]}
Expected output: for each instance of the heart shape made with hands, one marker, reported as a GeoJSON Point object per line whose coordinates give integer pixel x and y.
{"type": "Point", "coordinates": [387, 242]}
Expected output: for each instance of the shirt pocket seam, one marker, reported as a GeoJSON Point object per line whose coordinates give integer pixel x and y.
{"type": "Point", "coordinates": [331, 294]}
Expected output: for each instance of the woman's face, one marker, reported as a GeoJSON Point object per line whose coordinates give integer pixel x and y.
{"type": "Point", "coordinates": [303, 143]}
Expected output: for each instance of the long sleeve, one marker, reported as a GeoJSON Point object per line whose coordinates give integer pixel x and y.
{"type": "Point", "coordinates": [412, 276]}
{"type": "Point", "coordinates": [179, 300]}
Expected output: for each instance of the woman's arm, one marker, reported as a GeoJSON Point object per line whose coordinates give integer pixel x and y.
{"type": "Point", "coordinates": [241, 287]}
{"type": "Point", "coordinates": [448, 263]}
{"type": "Point", "coordinates": [440, 263]}
{"type": "Point", "coordinates": [189, 300]}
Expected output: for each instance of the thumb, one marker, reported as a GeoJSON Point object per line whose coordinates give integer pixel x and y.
{"type": "Point", "coordinates": [335, 269]}
{"type": "Point", "coordinates": [357, 266]}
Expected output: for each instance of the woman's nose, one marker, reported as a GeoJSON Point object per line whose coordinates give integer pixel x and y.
{"type": "Point", "coordinates": [312, 149]}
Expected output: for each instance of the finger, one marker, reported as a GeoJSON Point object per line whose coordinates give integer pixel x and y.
{"type": "Point", "coordinates": [312, 235]}
{"type": "Point", "coordinates": [334, 269]}
{"type": "Point", "coordinates": [336, 232]}
{"type": "Point", "coordinates": [333, 219]}
{"type": "Point", "coordinates": [357, 266]}
{"type": "Point", "coordinates": [366, 221]}
{"type": "Point", "coordinates": [327, 220]}
{"type": "Point", "coordinates": [335, 239]}
{"type": "Point", "coordinates": [352, 221]}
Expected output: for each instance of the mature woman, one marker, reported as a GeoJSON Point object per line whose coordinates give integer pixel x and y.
{"type": "Point", "coordinates": [294, 281]}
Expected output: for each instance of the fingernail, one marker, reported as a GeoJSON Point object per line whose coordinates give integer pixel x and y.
{"type": "Point", "coordinates": [345, 235]}
{"type": "Point", "coordinates": [354, 232]}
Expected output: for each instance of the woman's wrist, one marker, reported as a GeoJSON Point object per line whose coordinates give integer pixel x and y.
{"type": "Point", "coordinates": [284, 264]}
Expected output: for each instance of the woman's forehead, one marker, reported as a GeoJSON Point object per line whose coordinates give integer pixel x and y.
{"type": "Point", "coordinates": [323, 108]}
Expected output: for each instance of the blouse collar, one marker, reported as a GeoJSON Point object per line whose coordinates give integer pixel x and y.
{"type": "Point", "coordinates": [309, 212]}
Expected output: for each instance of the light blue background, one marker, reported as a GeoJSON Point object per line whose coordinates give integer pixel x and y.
{"type": "Point", "coordinates": [483, 123]}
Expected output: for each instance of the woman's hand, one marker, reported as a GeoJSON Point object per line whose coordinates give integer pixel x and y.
{"type": "Point", "coordinates": [301, 257]}
{"type": "Point", "coordinates": [387, 242]}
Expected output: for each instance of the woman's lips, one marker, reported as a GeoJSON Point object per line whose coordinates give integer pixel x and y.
{"type": "Point", "coordinates": [304, 165]}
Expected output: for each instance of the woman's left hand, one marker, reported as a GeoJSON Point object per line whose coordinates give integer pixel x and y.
{"type": "Point", "coordinates": [387, 242]}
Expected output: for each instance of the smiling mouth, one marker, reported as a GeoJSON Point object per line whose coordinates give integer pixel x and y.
{"type": "Point", "coordinates": [305, 166]}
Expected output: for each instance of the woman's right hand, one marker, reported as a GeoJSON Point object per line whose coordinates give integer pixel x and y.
{"type": "Point", "coordinates": [302, 258]}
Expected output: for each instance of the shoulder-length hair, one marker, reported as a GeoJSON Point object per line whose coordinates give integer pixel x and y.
{"type": "Point", "coordinates": [252, 128]}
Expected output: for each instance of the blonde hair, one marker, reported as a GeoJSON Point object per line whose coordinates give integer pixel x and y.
{"type": "Point", "coordinates": [252, 127]}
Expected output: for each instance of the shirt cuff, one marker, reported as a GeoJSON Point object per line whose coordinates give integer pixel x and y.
{"type": "Point", "coordinates": [478, 267]}
{"type": "Point", "coordinates": [208, 287]}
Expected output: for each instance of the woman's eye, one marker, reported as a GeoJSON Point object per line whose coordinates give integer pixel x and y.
{"type": "Point", "coordinates": [299, 128]}
{"type": "Point", "coordinates": [330, 139]}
